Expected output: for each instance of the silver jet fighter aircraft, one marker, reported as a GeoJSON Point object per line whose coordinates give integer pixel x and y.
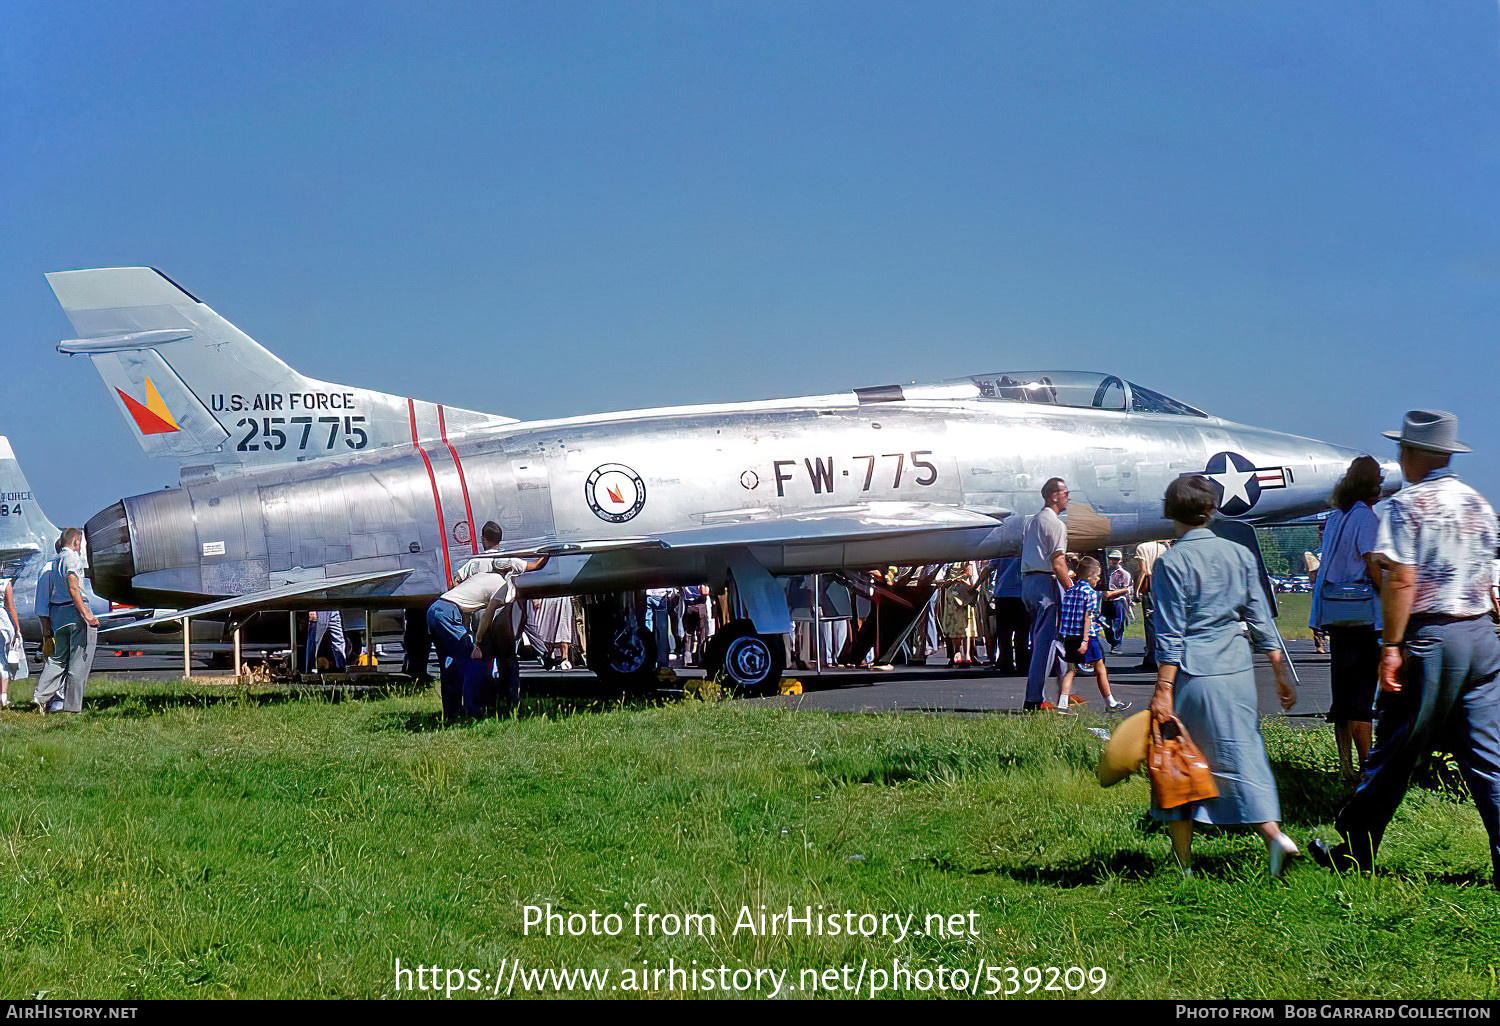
{"type": "Point", "coordinates": [298, 493]}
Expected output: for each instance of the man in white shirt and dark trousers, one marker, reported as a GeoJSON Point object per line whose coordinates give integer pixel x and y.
{"type": "Point", "coordinates": [1044, 578]}
{"type": "Point", "coordinates": [73, 625]}
{"type": "Point", "coordinates": [1440, 659]}
{"type": "Point", "coordinates": [484, 584]}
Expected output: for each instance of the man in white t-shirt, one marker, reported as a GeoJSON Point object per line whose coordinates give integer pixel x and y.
{"type": "Point", "coordinates": [1044, 578]}
{"type": "Point", "coordinates": [463, 677]}
{"type": "Point", "coordinates": [74, 627]}
{"type": "Point", "coordinates": [416, 644]}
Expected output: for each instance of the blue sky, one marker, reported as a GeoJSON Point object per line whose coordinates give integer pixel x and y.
{"type": "Point", "coordinates": [1284, 213]}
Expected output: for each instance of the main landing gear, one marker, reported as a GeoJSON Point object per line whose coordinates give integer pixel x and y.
{"type": "Point", "coordinates": [620, 650]}
{"type": "Point", "coordinates": [748, 653]}
{"type": "Point", "coordinates": [749, 662]}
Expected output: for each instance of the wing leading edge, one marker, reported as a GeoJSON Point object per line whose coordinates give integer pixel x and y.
{"type": "Point", "coordinates": [865, 521]}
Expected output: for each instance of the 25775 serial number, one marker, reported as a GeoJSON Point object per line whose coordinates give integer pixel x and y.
{"type": "Point", "coordinates": [276, 433]}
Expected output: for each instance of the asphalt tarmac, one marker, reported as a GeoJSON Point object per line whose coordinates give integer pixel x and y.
{"type": "Point", "coordinates": [933, 688]}
{"type": "Point", "coordinates": [939, 689]}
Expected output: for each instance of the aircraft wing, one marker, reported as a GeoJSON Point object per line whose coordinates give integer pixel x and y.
{"type": "Point", "coordinates": [333, 588]}
{"type": "Point", "coordinates": [132, 615]}
{"type": "Point", "coordinates": [856, 522]}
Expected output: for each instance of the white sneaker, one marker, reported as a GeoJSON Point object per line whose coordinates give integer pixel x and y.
{"type": "Point", "coordinates": [564, 665]}
{"type": "Point", "coordinates": [1115, 705]}
{"type": "Point", "coordinates": [4, 701]}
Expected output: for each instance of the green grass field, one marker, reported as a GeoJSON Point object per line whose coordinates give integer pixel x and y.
{"type": "Point", "coordinates": [191, 841]}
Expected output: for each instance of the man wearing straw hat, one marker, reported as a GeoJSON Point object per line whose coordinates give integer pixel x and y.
{"type": "Point", "coordinates": [1440, 658]}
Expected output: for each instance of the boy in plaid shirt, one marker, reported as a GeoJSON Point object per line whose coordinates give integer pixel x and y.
{"type": "Point", "coordinates": [1079, 627]}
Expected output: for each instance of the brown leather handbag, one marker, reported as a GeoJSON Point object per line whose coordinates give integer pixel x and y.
{"type": "Point", "coordinates": [1179, 772]}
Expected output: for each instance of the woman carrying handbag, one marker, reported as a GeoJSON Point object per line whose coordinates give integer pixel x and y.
{"type": "Point", "coordinates": [1205, 587]}
{"type": "Point", "coordinates": [1346, 605]}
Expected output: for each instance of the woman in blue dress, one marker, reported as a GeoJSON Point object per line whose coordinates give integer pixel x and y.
{"type": "Point", "coordinates": [1207, 592]}
{"type": "Point", "coordinates": [1348, 557]}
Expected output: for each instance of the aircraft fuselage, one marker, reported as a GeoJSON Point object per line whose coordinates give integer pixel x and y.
{"type": "Point", "coordinates": [646, 473]}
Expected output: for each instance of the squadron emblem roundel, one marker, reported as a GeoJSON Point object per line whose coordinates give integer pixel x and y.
{"type": "Point", "coordinates": [614, 492]}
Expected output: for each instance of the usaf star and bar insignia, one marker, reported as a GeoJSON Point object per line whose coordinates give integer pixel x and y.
{"type": "Point", "coordinates": [1240, 482]}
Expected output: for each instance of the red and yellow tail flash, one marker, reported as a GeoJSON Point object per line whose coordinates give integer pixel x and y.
{"type": "Point", "coordinates": [154, 418]}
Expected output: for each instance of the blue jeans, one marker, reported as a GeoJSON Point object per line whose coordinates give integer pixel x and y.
{"type": "Point", "coordinates": [1040, 593]}
{"type": "Point", "coordinates": [458, 678]}
{"type": "Point", "coordinates": [1449, 700]}
{"type": "Point", "coordinates": [659, 623]}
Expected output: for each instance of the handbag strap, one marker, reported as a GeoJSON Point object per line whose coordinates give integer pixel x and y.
{"type": "Point", "coordinates": [1329, 552]}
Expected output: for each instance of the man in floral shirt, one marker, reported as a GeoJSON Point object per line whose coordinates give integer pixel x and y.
{"type": "Point", "coordinates": [1440, 660]}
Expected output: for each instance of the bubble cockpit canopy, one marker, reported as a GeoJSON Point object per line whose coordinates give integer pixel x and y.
{"type": "Point", "coordinates": [1079, 389]}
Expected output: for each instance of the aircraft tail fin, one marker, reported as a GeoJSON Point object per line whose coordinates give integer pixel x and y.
{"type": "Point", "coordinates": [24, 528]}
{"type": "Point", "coordinates": [196, 389]}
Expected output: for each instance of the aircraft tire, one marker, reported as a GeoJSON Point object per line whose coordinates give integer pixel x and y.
{"type": "Point", "coordinates": [626, 659]}
{"type": "Point", "coordinates": [753, 663]}
{"type": "Point", "coordinates": [713, 651]}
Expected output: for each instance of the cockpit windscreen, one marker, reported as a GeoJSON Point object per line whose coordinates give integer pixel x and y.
{"type": "Point", "coordinates": [1080, 390]}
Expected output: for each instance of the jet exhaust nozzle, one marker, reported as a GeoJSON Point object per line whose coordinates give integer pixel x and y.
{"type": "Point", "coordinates": [111, 560]}
{"type": "Point", "coordinates": [141, 535]}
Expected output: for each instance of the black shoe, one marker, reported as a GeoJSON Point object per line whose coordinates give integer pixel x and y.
{"type": "Point", "coordinates": [1032, 707]}
{"type": "Point", "coordinates": [1335, 860]}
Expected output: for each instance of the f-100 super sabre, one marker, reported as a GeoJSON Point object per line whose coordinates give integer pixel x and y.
{"type": "Point", "coordinates": [300, 493]}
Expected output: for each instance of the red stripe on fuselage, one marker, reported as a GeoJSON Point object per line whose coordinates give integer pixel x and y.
{"type": "Point", "coordinates": [437, 502]}
{"type": "Point", "coordinates": [462, 482]}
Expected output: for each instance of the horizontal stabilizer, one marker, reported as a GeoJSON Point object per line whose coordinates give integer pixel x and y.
{"type": "Point", "coordinates": [125, 614]}
{"type": "Point", "coordinates": [334, 589]}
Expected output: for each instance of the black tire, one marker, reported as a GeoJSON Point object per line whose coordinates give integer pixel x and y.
{"type": "Point", "coordinates": [750, 663]}
{"type": "Point", "coordinates": [625, 659]}
{"type": "Point", "coordinates": [713, 649]}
